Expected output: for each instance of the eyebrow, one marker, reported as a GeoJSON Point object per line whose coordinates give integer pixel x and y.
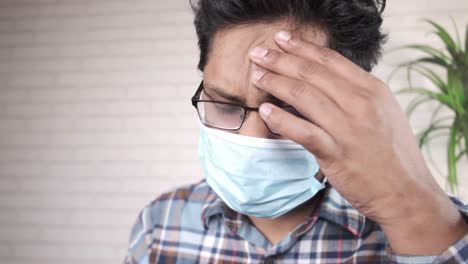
{"type": "Point", "coordinates": [238, 99]}
{"type": "Point", "coordinates": [220, 92]}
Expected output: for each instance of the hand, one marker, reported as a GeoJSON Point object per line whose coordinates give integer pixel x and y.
{"type": "Point", "coordinates": [361, 139]}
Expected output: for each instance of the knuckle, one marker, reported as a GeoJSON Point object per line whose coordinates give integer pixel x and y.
{"type": "Point", "coordinates": [299, 90]}
{"type": "Point", "coordinates": [366, 108]}
{"type": "Point", "coordinates": [273, 58]}
{"type": "Point", "coordinates": [308, 70]}
{"type": "Point", "coordinates": [328, 55]}
{"type": "Point", "coordinates": [266, 80]}
{"type": "Point", "coordinates": [296, 44]}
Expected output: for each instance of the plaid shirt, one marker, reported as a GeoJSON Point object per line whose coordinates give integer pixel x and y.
{"type": "Point", "coordinates": [193, 225]}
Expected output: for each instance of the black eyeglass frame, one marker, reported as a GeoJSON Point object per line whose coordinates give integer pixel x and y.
{"type": "Point", "coordinates": [247, 109]}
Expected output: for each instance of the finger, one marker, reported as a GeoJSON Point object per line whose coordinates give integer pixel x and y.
{"type": "Point", "coordinates": [327, 57]}
{"type": "Point", "coordinates": [336, 88]}
{"type": "Point", "coordinates": [312, 137]}
{"type": "Point", "coordinates": [288, 64]}
{"type": "Point", "coordinates": [304, 97]}
{"type": "Point", "coordinates": [299, 68]}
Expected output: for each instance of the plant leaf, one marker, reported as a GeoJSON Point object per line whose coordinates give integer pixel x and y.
{"type": "Point", "coordinates": [466, 46]}
{"type": "Point", "coordinates": [457, 33]}
{"type": "Point", "coordinates": [460, 155]}
{"type": "Point", "coordinates": [452, 158]}
{"type": "Point", "coordinates": [432, 76]}
{"type": "Point", "coordinates": [455, 91]}
{"type": "Point", "coordinates": [465, 132]}
{"type": "Point", "coordinates": [425, 134]}
{"type": "Point", "coordinates": [442, 98]}
{"type": "Point", "coordinates": [446, 38]}
{"type": "Point", "coordinates": [432, 60]}
{"type": "Point", "coordinates": [433, 52]}
{"type": "Point", "coordinates": [415, 102]}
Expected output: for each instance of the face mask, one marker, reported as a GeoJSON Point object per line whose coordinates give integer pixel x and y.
{"type": "Point", "coordinates": [258, 177]}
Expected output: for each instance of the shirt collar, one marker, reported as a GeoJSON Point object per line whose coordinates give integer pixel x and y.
{"type": "Point", "coordinates": [333, 208]}
{"type": "Point", "coordinates": [215, 207]}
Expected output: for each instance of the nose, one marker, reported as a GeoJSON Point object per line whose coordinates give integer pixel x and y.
{"type": "Point", "coordinates": [254, 126]}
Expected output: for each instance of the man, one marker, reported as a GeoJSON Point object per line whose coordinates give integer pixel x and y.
{"type": "Point", "coordinates": [308, 158]}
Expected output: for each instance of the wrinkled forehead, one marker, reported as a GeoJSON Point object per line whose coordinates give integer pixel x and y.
{"type": "Point", "coordinates": [229, 67]}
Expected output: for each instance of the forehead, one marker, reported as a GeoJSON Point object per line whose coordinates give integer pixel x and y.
{"type": "Point", "coordinates": [229, 67]}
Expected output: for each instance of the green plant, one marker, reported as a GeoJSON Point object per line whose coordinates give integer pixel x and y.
{"type": "Point", "coordinates": [451, 93]}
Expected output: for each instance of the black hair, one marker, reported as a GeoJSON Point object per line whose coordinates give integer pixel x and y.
{"type": "Point", "coordinates": [352, 27]}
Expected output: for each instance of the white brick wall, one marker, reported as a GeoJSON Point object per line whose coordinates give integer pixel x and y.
{"type": "Point", "coordinates": [95, 119]}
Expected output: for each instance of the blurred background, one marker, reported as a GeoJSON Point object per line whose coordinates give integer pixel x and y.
{"type": "Point", "coordinates": [96, 120]}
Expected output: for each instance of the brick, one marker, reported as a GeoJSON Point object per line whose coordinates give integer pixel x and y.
{"type": "Point", "coordinates": [124, 20]}
{"type": "Point", "coordinates": [63, 252]}
{"type": "Point", "coordinates": [160, 92]}
{"type": "Point", "coordinates": [45, 201]}
{"type": "Point", "coordinates": [7, 26]}
{"type": "Point", "coordinates": [100, 139]}
{"type": "Point", "coordinates": [81, 50]}
{"type": "Point", "coordinates": [31, 80]}
{"type": "Point", "coordinates": [14, 125]}
{"type": "Point", "coordinates": [30, 154]}
{"type": "Point", "coordinates": [75, 108]}
{"type": "Point", "coordinates": [5, 53]}
{"type": "Point", "coordinates": [7, 233]}
{"type": "Point", "coordinates": [51, 124]}
{"type": "Point", "coordinates": [124, 169]}
{"type": "Point", "coordinates": [105, 79]}
{"type": "Point", "coordinates": [39, 218]}
{"type": "Point", "coordinates": [102, 35]}
{"type": "Point", "coordinates": [130, 202]}
{"type": "Point", "coordinates": [14, 95]}
{"type": "Point", "coordinates": [43, 66]}
{"type": "Point", "coordinates": [116, 7]}
{"type": "Point", "coordinates": [5, 250]}
{"type": "Point", "coordinates": [155, 185]}
{"type": "Point", "coordinates": [14, 39]}
{"type": "Point", "coordinates": [18, 12]}
{"type": "Point", "coordinates": [48, 95]}
{"type": "Point", "coordinates": [134, 153]}
{"type": "Point", "coordinates": [37, 52]}
{"type": "Point", "coordinates": [28, 110]}
{"type": "Point", "coordinates": [101, 93]}
{"type": "Point", "coordinates": [24, 3]}
{"type": "Point", "coordinates": [71, 169]}
{"type": "Point", "coordinates": [107, 235]}
{"type": "Point", "coordinates": [63, 10]}
{"type": "Point", "coordinates": [59, 185]}
{"type": "Point", "coordinates": [8, 184]}
{"type": "Point", "coordinates": [23, 139]}
{"type": "Point", "coordinates": [165, 121]}
{"type": "Point", "coordinates": [36, 24]}
{"type": "Point", "coordinates": [102, 219]}
{"type": "Point", "coordinates": [22, 169]}
{"type": "Point", "coordinates": [98, 124]}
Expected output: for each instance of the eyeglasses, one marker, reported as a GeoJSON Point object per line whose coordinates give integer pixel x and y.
{"type": "Point", "coordinates": [224, 115]}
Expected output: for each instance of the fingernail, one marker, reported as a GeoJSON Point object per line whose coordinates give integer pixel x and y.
{"type": "Point", "coordinates": [259, 52]}
{"type": "Point", "coordinates": [258, 74]}
{"type": "Point", "coordinates": [265, 110]}
{"type": "Point", "coordinates": [283, 36]}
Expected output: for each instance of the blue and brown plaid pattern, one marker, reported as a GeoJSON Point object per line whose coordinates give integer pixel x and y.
{"type": "Point", "coordinates": [193, 225]}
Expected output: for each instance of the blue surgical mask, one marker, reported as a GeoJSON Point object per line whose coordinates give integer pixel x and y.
{"type": "Point", "coordinates": [258, 177]}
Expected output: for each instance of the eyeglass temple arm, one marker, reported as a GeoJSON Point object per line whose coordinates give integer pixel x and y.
{"type": "Point", "coordinates": [196, 96]}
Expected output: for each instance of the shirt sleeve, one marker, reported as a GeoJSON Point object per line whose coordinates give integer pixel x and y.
{"type": "Point", "coordinates": [456, 253]}
{"type": "Point", "coordinates": [137, 246]}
